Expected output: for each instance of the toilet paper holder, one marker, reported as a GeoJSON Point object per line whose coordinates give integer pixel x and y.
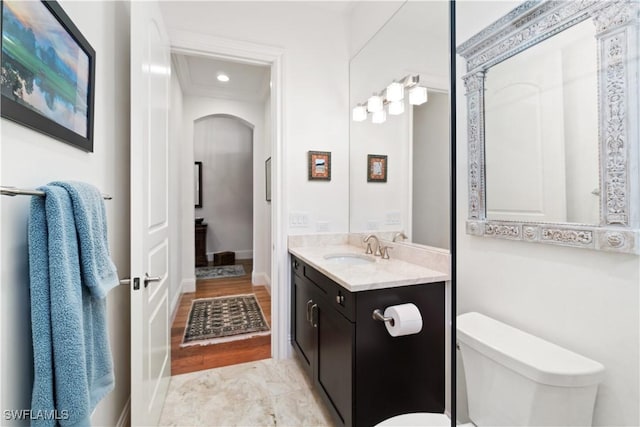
{"type": "Point", "coordinates": [377, 315]}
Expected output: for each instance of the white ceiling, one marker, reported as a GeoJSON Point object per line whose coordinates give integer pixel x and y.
{"type": "Point", "coordinates": [198, 77]}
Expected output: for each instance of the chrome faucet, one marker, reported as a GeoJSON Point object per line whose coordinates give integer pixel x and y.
{"type": "Point", "coordinates": [400, 235]}
{"type": "Point", "coordinates": [369, 250]}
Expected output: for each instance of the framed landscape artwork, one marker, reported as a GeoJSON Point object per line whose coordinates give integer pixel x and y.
{"type": "Point", "coordinates": [48, 72]}
{"type": "Point", "coordinates": [320, 165]}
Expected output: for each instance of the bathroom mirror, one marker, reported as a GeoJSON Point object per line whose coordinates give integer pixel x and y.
{"type": "Point", "coordinates": [552, 129]}
{"type": "Point", "coordinates": [414, 196]}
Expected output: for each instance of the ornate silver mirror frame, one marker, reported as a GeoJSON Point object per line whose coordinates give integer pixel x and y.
{"type": "Point", "coordinates": [617, 33]}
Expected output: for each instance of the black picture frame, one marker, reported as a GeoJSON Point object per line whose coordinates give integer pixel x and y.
{"type": "Point", "coordinates": [197, 184]}
{"type": "Point", "coordinates": [55, 83]}
{"type": "Point", "coordinates": [267, 179]}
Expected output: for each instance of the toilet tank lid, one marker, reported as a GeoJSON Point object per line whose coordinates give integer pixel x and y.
{"type": "Point", "coordinates": [533, 357]}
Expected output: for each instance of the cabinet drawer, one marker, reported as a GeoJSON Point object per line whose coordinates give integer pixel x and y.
{"type": "Point", "coordinates": [316, 277]}
{"type": "Point", "coordinates": [338, 297]}
{"type": "Point", "coordinates": [296, 266]}
{"type": "Point", "coordinates": [342, 300]}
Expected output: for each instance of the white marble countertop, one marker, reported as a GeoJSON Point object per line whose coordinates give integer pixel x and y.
{"type": "Point", "coordinates": [380, 274]}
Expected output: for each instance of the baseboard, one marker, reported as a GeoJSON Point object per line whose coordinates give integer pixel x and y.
{"type": "Point", "coordinates": [244, 254]}
{"type": "Point", "coordinates": [175, 304]}
{"type": "Point", "coordinates": [125, 416]}
{"type": "Point", "coordinates": [261, 279]}
{"type": "Point", "coordinates": [188, 285]}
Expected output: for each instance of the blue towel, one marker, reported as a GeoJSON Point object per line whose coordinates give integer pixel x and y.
{"type": "Point", "coordinates": [73, 369]}
{"type": "Point", "coordinates": [98, 272]}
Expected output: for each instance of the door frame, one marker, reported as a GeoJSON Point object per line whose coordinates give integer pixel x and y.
{"type": "Point", "coordinates": [191, 43]}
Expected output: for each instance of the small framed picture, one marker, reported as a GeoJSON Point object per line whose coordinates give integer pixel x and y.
{"type": "Point", "coordinates": [267, 179]}
{"type": "Point", "coordinates": [376, 168]}
{"type": "Point", "coordinates": [197, 184]}
{"type": "Point", "coordinates": [320, 165]}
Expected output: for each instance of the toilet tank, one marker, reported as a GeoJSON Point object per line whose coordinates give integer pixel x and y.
{"type": "Point", "coordinates": [517, 379]}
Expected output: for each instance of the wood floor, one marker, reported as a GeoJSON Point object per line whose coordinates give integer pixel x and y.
{"type": "Point", "coordinates": [197, 358]}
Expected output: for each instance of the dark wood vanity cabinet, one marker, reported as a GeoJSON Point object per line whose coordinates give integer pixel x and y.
{"type": "Point", "coordinates": [362, 373]}
{"type": "Point", "coordinates": [201, 245]}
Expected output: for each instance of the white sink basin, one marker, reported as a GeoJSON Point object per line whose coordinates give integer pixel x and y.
{"type": "Point", "coordinates": [349, 259]}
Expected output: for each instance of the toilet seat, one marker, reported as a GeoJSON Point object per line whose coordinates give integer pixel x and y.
{"type": "Point", "coordinates": [420, 419]}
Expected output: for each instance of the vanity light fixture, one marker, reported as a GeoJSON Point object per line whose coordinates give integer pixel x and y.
{"type": "Point", "coordinates": [375, 104]}
{"type": "Point", "coordinates": [396, 107]}
{"type": "Point", "coordinates": [395, 92]}
{"type": "Point", "coordinates": [359, 113]}
{"type": "Point", "coordinates": [417, 95]}
{"type": "Point", "coordinates": [379, 116]}
{"type": "Point", "coordinates": [222, 77]}
{"type": "Point", "coordinates": [394, 99]}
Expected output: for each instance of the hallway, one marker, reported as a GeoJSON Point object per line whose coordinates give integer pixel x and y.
{"type": "Point", "coordinates": [197, 358]}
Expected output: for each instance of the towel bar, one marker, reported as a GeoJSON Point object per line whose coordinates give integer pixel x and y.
{"type": "Point", "coordinates": [13, 191]}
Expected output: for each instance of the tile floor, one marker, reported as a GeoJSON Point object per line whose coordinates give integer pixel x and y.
{"type": "Point", "coordinates": [263, 393]}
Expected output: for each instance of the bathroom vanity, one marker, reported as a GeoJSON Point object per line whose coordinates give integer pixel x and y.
{"type": "Point", "coordinates": [363, 374]}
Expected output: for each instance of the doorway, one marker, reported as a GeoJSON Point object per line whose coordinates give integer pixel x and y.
{"type": "Point", "coordinates": [226, 130]}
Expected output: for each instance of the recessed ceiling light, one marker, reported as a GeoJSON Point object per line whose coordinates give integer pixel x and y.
{"type": "Point", "coordinates": [223, 77]}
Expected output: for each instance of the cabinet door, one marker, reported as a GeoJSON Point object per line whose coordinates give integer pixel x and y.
{"type": "Point", "coordinates": [412, 365]}
{"type": "Point", "coordinates": [302, 329]}
{"type": "Point", "coordinates": [335, 359]}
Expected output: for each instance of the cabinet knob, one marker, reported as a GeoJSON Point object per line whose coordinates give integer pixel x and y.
{"type": "Point", "coordinates": [340, 299]}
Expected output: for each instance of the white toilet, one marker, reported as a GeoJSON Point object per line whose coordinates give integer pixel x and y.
{"type": "Point", "coordinates": [517, 379]}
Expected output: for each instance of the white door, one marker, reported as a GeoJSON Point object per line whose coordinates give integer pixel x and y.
{"type": "Point", "coordinates": [150, 329]}
{"type": "Point", "coordinates": [524, 149]}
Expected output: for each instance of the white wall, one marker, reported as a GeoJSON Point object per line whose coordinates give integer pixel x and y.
{"type": "Point", "coordinates": [373, 202]}
{"type": "Point", "coordinates": [366, 18]}
{"type": "Point", "coordinates": [583, 300]}
{"type": "Point", "coordinates": [254, 113]}
{"type": "Point", "coordinates": [316, 89]}
{"type": "Point", "coordinates": [264, 239]}
{"type": "Point", "coordinates": [30, 159]}
{"type": "Point", "coordinates": [431, 214]}
{"type": "Point", "coordinates": [580, 90]}
{"type": "Point", "coordinates": [412, 41]}
{"type": "Point", "coordinates": [178, 213]}
{"type": "Point", "coordinates": [224, 145]}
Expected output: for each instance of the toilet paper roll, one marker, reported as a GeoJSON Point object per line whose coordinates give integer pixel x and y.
{"type": "Point", "coordinates": [406, 319]}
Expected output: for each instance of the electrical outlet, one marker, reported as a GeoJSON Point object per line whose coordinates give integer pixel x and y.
{"type": "Point", "coordinates": [392, 218]}
{"type": "Point", "coordinates": [373, 225]}
{"type": "Point", "coordinates": [322, 226]}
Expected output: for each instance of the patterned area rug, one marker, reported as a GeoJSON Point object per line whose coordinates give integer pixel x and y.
{"type": "Point", "coordinates": [222, 319]}
{"type": "Point", "coordinates": [218, 272]}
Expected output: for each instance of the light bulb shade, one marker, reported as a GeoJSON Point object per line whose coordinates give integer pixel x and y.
{"type": "Point", "coordinates": [374, 104]}
{"type": "Point", "coordinates": [359, 113]}
{"type": "Point", "coordinates": [379, 116]}
{"type": "Point", "coordinates": [417, 95]}
{"type": "Point", "coordinates": [396, 108]}
{"type": "Point", "coordinates": [395, 92]}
